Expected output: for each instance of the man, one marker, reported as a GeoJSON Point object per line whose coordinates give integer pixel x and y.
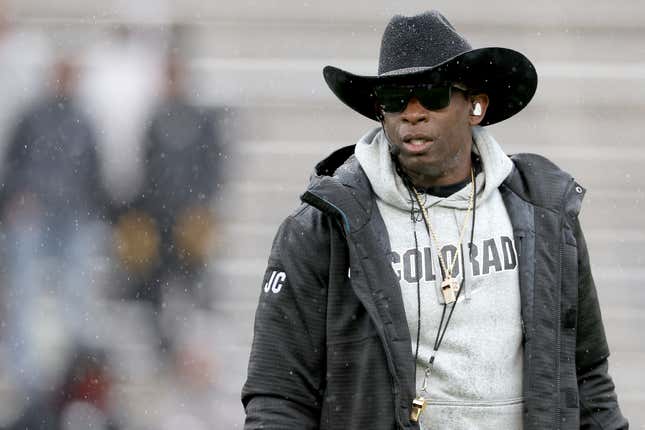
{"type": "Point", "coordinates": [428, 280]}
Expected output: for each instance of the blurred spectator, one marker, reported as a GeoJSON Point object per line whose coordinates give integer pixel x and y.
{"type": "Point", "coordinates": [23, 56]}
{"type": "Point", "coordinates": [120, 88]}
{"type": "Point", "coordinates": [49, 201]}
{"type": "Point", "coordinates": [164, 240]}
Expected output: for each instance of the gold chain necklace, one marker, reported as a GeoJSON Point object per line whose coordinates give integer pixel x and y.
{"type": "Point", "coordinates": [449, 286]}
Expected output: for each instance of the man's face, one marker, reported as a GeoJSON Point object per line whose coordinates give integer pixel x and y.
{"type": "Point", "coordinates": [433, 145]}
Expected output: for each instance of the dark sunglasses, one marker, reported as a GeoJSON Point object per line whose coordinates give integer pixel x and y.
{"type": "Point", "coordinates": [394, 98]}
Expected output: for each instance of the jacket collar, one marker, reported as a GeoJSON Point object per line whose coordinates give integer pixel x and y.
{"type": "Point", "coordinates": [340, 188]}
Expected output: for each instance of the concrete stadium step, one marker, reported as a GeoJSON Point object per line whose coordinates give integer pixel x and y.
{"type": "Point", "coordinates": [617, 325]}
{"type": "Point", "coordinates": [551, 13]}
{"type": "Point", "coordinates": [624, 367]}
{"type": "Point", "coordinates": [343, 40]}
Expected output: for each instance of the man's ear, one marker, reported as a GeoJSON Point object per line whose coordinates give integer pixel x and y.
{"type": "Point", "coordinates": [479, 104]}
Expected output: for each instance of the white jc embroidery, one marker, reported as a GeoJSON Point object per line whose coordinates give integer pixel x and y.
{"type": "Point", "coordinates": [275, 282]}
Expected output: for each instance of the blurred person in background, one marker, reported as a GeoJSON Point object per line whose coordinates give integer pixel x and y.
{"type": "Point", "coordinates": [120, 87]}
{"type": "Point", "coordinates": [51, 204]}
{"type": "Point", "coordinates": [164, 239]}
{"type": "Point", "coordinates": [24, 55]}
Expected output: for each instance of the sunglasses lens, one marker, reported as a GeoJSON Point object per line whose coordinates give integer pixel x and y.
{"type": "Point", "coordinates": [395, 98]}
{"type": "Point", "coordinates": [434, 98]}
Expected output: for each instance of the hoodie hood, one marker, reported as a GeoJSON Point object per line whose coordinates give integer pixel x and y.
{"type": "Point", "coordinates": [373, 154]}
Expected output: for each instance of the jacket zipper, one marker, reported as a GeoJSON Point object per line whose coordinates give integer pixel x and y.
{"type": "Point", "coordinates": [526, 370]}
{"type": "Point", "coordinates": [519, 251]}
{"type": "Point", "coordinates": [556, 424]}
{"type": "Point", "coordinates": [558, 409]}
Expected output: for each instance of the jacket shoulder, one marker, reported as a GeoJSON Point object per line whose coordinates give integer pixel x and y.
{"type": "Point", "coordinates": [344, 196]}
{"type": "Point", "coordinates": [307, 225]}
{"type": "Point", "coordinates": [306, 218]}
{"type": "Point", "coordinates": [543, 183]}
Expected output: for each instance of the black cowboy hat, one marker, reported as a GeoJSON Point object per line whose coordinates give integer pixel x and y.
{"type": "Point", "coordinates": [426, 48]}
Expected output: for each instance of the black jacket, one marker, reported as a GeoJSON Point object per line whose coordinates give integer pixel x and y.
{"type": "Point", "coordinates": [332, 347]}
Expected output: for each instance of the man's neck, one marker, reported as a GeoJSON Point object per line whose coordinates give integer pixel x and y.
{"type": "Point", "coordinates": [444, 179]}
{"type": "Point", "coordinates": [446, 190]}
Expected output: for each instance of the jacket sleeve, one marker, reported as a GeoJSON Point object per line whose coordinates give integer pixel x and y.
{"type": "Point", "coordinates": [597, 397]}
{"type": "Point", "coordinates": [286, 369]}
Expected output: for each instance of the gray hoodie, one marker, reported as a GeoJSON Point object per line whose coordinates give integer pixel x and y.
{"type": "Point", "coordinates": [476, 380]}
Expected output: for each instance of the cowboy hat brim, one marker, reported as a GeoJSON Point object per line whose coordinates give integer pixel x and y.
{"type": "Point", "coordinates": [506, 76]}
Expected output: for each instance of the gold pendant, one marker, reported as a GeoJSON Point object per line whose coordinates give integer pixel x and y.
{"type": "Point", "coordinates": [418, 405]}
{"type": "Point", "coordinates": [448, 288]}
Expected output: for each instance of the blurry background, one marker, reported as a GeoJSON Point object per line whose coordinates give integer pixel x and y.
{"type": "Point", "coordinates": [149, 150]}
